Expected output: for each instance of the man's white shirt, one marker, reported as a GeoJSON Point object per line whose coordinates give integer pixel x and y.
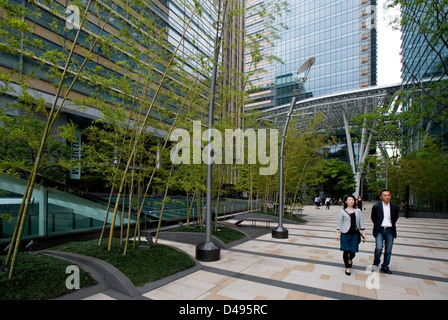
{"type": "Point", "coordinates": [387, 222]}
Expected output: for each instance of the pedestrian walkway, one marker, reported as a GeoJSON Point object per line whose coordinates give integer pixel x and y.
{"type": "Point", "coordinates": [308, 265]}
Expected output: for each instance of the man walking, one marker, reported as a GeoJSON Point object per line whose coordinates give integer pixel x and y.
{"type": "Point", "coordinates": [384, 216]}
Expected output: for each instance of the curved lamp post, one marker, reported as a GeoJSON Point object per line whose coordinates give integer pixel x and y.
{"type": "Point", "coordinates": [208, 250]}
{"type": "Point", "coordinates": [280, 232]}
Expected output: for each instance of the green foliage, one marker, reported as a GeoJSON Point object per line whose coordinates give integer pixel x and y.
{"type": "Point", "coordinates": [424, 171]}
{"type": "Point", "coordinates": [338, 178]}
{"type": "Point", "coordinates": [138, 81]}
{"type": "Point", "coordinates": [304, 160]}
{"type": "Point", "coordinates": [19, 142]}
{"type": "Point", "coordinates": [140, 266]}
{"type": "Point", "coordinates": [39, 277]}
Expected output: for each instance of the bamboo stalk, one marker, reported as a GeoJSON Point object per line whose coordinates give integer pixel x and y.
{"type": "Point", "coordinates": [163, 204]}
{"type": "Point", "coordinates": [21, 218]}
{"type": "Point", "coordinates": [142, 129]}
{"type": "Point", "coordinates": [164, 148]}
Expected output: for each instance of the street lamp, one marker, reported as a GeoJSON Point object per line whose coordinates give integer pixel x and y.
{"type": "Point", "coordinates": [208, 250]}
{"type": "Point", "coordinates": [280, 232]}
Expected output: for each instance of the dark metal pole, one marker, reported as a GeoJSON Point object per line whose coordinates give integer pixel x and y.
{"type": "Point", "coordinates": [209, 251]}
{"type": "Point", "coordinates": [280, 232]}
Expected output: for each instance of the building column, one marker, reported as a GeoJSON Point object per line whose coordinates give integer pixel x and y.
{"type": "Point", "coordinates": [349, 140]}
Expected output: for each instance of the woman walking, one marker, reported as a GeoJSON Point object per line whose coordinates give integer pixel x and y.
{"type": "Point", "coordinates": [350, 229]}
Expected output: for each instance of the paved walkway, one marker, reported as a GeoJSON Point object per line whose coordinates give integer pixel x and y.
{"type": "Point", "coordinates": [308, 265]}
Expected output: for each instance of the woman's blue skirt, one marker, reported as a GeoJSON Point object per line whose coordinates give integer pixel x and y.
{"type": "Point", "coordinates": [349, 242]}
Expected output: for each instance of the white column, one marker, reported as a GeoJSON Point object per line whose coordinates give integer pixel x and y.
{"type": "Point", "coordinates": [349, 140]}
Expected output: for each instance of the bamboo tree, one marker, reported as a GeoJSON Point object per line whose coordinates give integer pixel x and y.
{"type": "Point", "coordinates": [142, 81]}
{"type": "Point", "coordinates": [54, 112]}
{"type": "Point", "coordinates": [163, 204]}
{"type": "Point", "coordinates": [141, 131]}
{"type": "Point", "coordinates": [165, 145]}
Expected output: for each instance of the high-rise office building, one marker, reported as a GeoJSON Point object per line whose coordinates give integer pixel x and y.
{"type": "Point", "coordinates": [130, 45]}
{"type": "Point", "coordinates": [129, 69]}
{"type": "Point", "coordinates": [340, 34]}
{"type": "Point", "coordinates": [424, 69]}
{"type": "Point", "coordinates": [138, 39]}
{"type": "Point", "coordinates": [424, 54]}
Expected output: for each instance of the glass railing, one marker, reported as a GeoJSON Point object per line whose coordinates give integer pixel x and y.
{"type": "Point", "coordinates": [51, 211]}
{"type": "Point", "coordinates": [56, 212]}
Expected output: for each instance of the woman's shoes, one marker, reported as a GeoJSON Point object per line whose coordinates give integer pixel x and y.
{"type": "Point", "coordinates": [350, 262]}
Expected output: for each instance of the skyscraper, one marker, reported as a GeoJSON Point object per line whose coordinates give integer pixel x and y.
{"type": "Point", "coordinates": [424, 69]}
{"type": "Point", "coordinates": [424, 51]}
{"type": "Point", "coordinates": [147, 60]}
{"type": "Point", "coordinates": [340, 34]}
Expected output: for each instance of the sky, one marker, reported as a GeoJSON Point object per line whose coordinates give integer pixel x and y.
{"type": "Point", "coordinates": [388, 40]}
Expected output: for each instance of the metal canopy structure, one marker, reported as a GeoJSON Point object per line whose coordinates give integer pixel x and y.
{"type": "Point", "coordinates": [337, 110]}
{"type": "Point", "coordinates": [333, 107]}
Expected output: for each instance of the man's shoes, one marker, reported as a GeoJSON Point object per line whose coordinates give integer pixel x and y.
{"type": "Point", "coordinates": [386, 271]}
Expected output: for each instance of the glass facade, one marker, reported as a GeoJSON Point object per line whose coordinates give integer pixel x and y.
{"type": "Point", "coordinates": [124, 70]}
{"type": "Point", "coordinates": [340, 34]}
{"type": "Point", "coordinates": [423, 57]}
{"type": "Point", "coordinates": [424, 61]}
{"type": "Point", "coordinates": [53, 212]}
{"type": "Point", "coordinates": [140, 39]}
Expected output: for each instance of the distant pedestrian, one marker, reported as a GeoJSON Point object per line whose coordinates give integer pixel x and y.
{"type": "Point", "coordinates": [384, 217]}
{"type": "Point", "coordinates": [327, 203]}
{"type": "Point", "coordinates": [359, 203]}
{"type": "Point", "coordinates": [350, 229]}
{"type": "Point", "coordinates": [317, 202]}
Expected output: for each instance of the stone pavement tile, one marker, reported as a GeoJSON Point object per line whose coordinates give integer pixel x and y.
{"type": "Point", "coordinates": [412, 291]}
{"type": "Point", "coordinates": [295, 295]}
{"type": "Point", "coordinates": [313, 280]}
{"type": "Point", "coordinates": [359, 290]}
{"type": "Point", "coordinates": [390, 292]}
{"type": "Point", "coordinates": [248, 290]}
{"type": "Point", "coordinates": [266, 268]}
{"type": "Point", "coordinates": [215, 296]}
{"type": "Point", "coordinates": [178, 291]}
{"type": "Point", "coordinates": [161, 295]}
{"type": "Point", "coordinates": [367, 293]}
{"type": "Point", "coordinates": [225, 281]}
{"type": "Point", "coordinates": [350, 289]}
{"type": "Point", "coordinates": [310, 296]}
{"type": "Point", "coordinates": [429, 282]}
{"type": "Point", "coordinates": [279, 276]}
{"type": "Point", "coordinates": [99, 296]}
{"type": "Point", "coordinates": [309, 267]}
{"type": "Point", "coordinates": [437, 292]}
{"type": "Point", "coordinates": [194, 282]}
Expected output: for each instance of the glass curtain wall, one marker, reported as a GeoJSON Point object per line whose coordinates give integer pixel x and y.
{"type": "Point", "coordinates": [340, 34]}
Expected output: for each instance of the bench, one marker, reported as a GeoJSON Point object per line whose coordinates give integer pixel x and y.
{"type": "Point", "coordinates": [254, 221]}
